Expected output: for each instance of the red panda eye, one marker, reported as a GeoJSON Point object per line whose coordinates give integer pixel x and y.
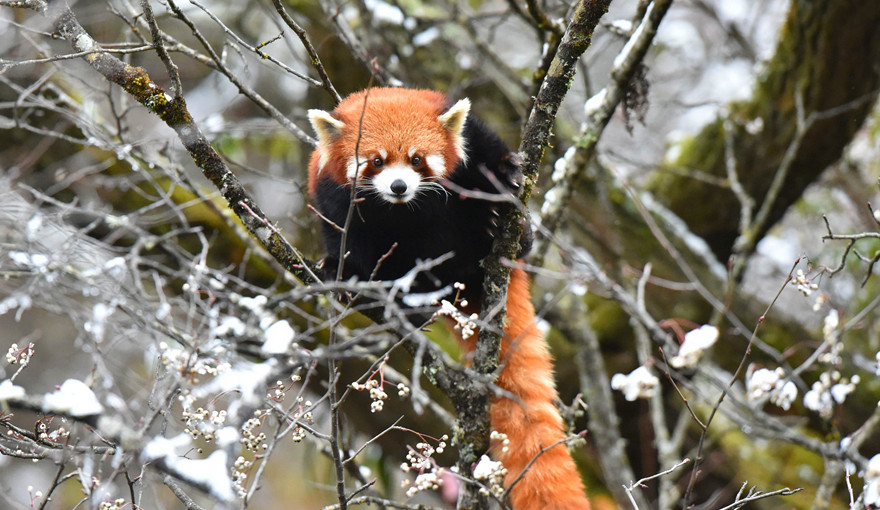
{"type": "Point", "coordinates": [416, 161]}
{"type": "Point", "coordinates": [377, 162]}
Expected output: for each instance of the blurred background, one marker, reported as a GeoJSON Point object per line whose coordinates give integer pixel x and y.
{"type": "Point", "coordinates": [741, 148]}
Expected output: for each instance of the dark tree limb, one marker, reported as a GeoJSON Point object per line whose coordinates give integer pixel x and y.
{"type": "Point", "coordinates": [36, 5]}
{"type": "Point", "coordinates": [173, 111]}
{"type": "Point", "coordinates": [473, 422]}
{"type": "Point", "coordinates": [625, 66]}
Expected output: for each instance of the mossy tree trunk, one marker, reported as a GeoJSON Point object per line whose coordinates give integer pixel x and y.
{"type": "Point", "coordinates": [828, 58]}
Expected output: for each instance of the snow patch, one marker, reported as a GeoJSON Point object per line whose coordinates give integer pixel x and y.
{"type": "Point", "coordinates": [210, 473]}
{"type": "Point", "coordinates": [73, 398]}
{"type": "Point", "coordinates": [594, 102]}
{"type": "Point", "coordinates": [426, 37]}
{"type": "Point", "coordinates": [247, 378]}
{"type": "Point", "coordinates": [385, 12]}
{"type": "Point", "coordinates": [278, 338]}
{"type": "Point", "coordinates": [10, 391]}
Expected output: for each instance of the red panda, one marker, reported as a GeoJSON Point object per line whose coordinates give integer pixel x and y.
{"type": "Point", "coordinates": [409, 151]}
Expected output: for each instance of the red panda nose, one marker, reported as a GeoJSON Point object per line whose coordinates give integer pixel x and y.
{"type": "Point", "coordinates": [398, 187]}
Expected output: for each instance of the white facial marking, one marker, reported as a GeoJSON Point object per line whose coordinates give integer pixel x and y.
{"type": "Point", "coordinates": [384, 154]}
{"type": "Point", "coordinates": [322, 158]}
{"type": "Point", "coordinates": [393, 176]}
{"type": "Point", "coordinates": [437, 164]}
{"type": "Point", "coordinates": [411, 151]}
{"type": "Point", "coordinates": [351, 167]}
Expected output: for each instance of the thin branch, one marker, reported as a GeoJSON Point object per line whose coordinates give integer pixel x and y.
{"type": "Point", "coordinates": [755, 495]}
{"type": "Point", "coordinates": [699, 457]}
{"type": "Point", "coordinates": [159, 45]}
{"type": "Point", "coordinates": [7, 64]}
{"type": "Point", "coordinates": [641, 483]}
{"type": "Point", "coordinates": [542, 451]}
{"type": "Point", "coordinates": [173, 111]}
{"type": "Point", "coordinates": [310, 49]}
{"type": "Point", "coordinates": [180, 493]}
{"type": "Point", "coordinates": [257, 48]}
{"type": "Point", "coordinates": [598, 111]}
{"type": "Point", "coordinates": [357, 49]}
{"type": "Point", "coordinates": [242, 87]}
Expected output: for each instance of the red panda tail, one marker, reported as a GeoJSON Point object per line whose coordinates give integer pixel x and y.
{"type": "Point", "coordinates": [532, 422]}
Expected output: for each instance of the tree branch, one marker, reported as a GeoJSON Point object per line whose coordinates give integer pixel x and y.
{"type": "Point", "coordinates": [474, 426]}
{"type": "Point", "coordinates": [173, 111]}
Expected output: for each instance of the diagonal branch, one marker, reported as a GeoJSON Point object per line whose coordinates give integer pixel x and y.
{"type": "Point", "coordinates": [598, 111]}
{"type": "Point", "coordinates": [173, 111]}
{"type": "Point", "coordinates": [474, 425]}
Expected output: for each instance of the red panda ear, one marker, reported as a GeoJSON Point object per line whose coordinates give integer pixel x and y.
{"type": "Point", "coordinates": [453, 121]}
{"type": "Point", "coordinates": [327, 127]}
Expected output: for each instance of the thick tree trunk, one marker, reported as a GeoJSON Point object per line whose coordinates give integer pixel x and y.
{"type": "Point", "coordinates": [829, 54]}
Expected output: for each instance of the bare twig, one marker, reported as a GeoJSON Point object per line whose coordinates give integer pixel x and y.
{"type": "Point", "coordinates": [136, 82]}
{"type": "Point", "coordinates": [234, 79]}
{"type": "Point", "coordinates": [180, 493]}
{"type": "Point", "coordinates": [310, 49]}
{"type": "Point", "coordinates": [755, 495]}
{"type": "Point", "coordinates": [705, 427]}
{"type": "Point", "coordinates": [641, 483]}
{"type": "Point", "coordinates": [159, 45]}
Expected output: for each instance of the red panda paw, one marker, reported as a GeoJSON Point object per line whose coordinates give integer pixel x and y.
{"type": "Point", "coordinates": [510, 173]}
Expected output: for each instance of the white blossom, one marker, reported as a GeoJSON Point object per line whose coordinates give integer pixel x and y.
{"type": "Point", "coordinates": [784, 396]}
{"type": "Point", "coordinates": [695, 344]}
{"type": "Point", "coordinates": [764, 384]}
{"type": "Point", "coordinates": [830, 389]}
{"type": "Point", "coordinates": [467, 324]}
{"type": "Point", "coordinates": [832, 320]}
{"type": "Point", "coordinates": [640, 383]}
{"type": "Point", "coordinates": [872, 483]}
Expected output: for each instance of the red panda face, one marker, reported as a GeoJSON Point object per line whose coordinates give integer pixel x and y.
{"type": "Point", "coordinates": [397, 144]}
{"type": "Point", "coordinates": [395, 176]}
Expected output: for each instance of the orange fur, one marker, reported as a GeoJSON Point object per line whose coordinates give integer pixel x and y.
{"type": "Point", "coordinates": [531, 423]}
{"type": "Point", "coordinates": [394, 120]}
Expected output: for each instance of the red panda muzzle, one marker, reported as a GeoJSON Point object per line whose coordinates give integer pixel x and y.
{"type": "Point", "coordinates": [397, 184]}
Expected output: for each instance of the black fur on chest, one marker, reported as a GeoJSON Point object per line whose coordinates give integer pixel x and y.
{"type": "Point", "coordinates": [428, 227]}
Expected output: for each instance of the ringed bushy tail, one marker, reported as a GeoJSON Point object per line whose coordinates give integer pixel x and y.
{"type": "Point", "coordinates": [532, 423]}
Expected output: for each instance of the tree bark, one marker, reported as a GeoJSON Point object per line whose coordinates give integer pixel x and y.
{"type": "Point", "coordinates": [829, 54]}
